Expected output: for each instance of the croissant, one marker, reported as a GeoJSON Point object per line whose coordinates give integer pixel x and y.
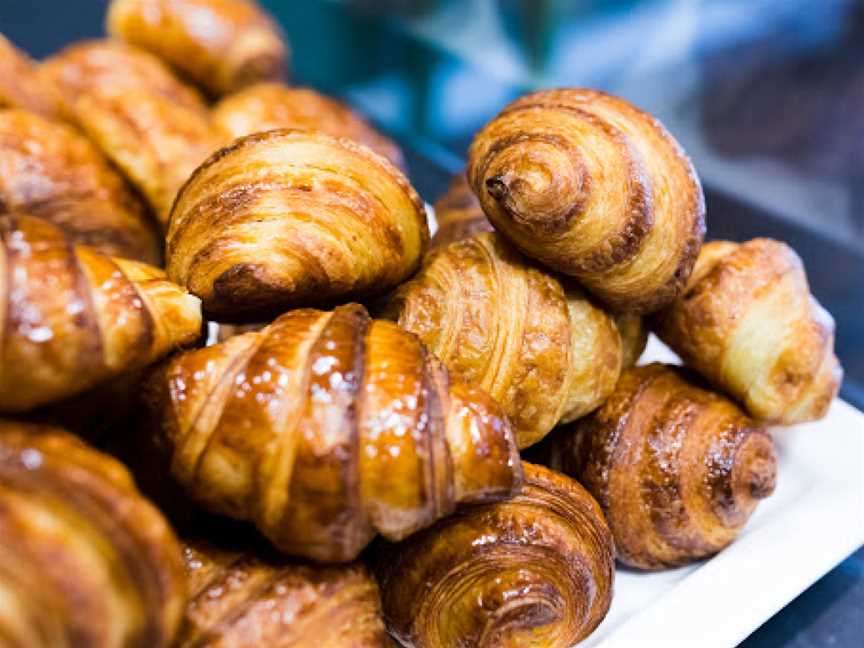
{"type": "Point", "coordinates": [268, 106]}
{"type": "Point", "coordinates": [326, 427]}
{"type": "Point", "coordinates": [748, 323]}
{"type": "Point", "coordinates": [22, 84]}
{"type": "Point", "coordinates": [240, 601]}
{"type": "Point", "coordinates": [86, 561]}
{"type": "Point", "coordinates": [533, 571]}
{"type": "Point", "coordinates": [458, 214]}
{"type": "Point", "coordinates": [49, 170]}
{"type": "Point", "coordinates": [595, 188]}
{"type": "Point", "coordinates": [222, 45]}
{"type": "Point", "coordinates": [289, 218]}
{"type": "Point", "coordinates": [536, 344]}
{"type": "Point", "coordinates": [74, 317]}
{"type": "Point", "coordinates": [677, 469]}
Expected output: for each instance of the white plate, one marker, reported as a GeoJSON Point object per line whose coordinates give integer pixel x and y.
{"type": "Point", "coordinates": [814, 520]}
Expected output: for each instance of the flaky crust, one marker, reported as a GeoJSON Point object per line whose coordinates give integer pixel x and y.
{"type": "Point", "coordinates": [325, 428]}
{"type": "Point", "coordinates": [537, 345]}
{"type": "Point", "coordinates": [23, 85]}
{"type": "Point", "coordinates": [223, 45]}
{"type": "Point", "coordinates": [458, 214]}
{"type": "Point", "coordinates": [269, 106]}
{"type": "Point", "coordinates": [678, 470]}
{"type": "Point", "coordinates": [86, 561]}
{"type": "Point", "coordinates": [289, 218]}
{"type": "Point", "coordinates": [48, 170]}
{"type": "Point", "coordinates": [72, 317]}
{"type": "Point", "coordinates": [748, 323]}
{"type": "Point", "coordinates": [594, 188]}
{"type": "Point", "coordinates": [240, 601]}
{"type": "Point", "coordinates": [532, 572]}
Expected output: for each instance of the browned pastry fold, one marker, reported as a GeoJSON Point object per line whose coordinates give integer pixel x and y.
{"type": "Point", "coordinates": [634, 337]}
{"type": "Point", "coordinates": [86, 561]}
{"type": "Point", "coordinates": [238, 600]}
{"type": "Point", "coordinates": [327, 427]}
{"type": "Point", "coordinates": [535, 571]}
{"type": "Point", "coordinates": [268, 106]}
{"type": "Point", "coordinates": [595, 188]}
{"type": "Point", "coordinates": [48, 170]}
{"type": "Point", "coordinates": [72, 317]}
{"type": "Point", "coordinates": [222, 45]}
{"type": "Point", "coordinates": [23, 85]}
{"type": "Point", "coordinates": [290, 218]}
{"type": "Point", "coordinates": [748, 323]}
{"type": "Point", "coordinates": [535, 343]}
{"type": "Point", "coordinates": [678, 470]}
{"type": "Point", "coordinates": [458, 214]}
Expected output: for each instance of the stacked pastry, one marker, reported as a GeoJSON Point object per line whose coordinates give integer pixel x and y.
{"type": "Point", "coordinates": [307, 429]}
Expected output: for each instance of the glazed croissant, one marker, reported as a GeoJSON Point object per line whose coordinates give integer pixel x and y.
{"type": "Point", "coordinates": [594, 188]}
{"type": "Point", "coordinates": [222, 45]}
{"type": "Point", "coordinates": [748, 323]}
{"type": "Point", "coordinates": [289, 218]}
{"type": "Point", "coordinates": [458, 214]}
{"type": "Point", "coordinates": [677, 469]}
{"type": "Point", "coordinates": [268, 106]}
{"type": "Point", "coordinates": [86, 561]}
{"type": "Point", "coordinates": [74, 318]}
{"type": "Point", "coordinates": [240, 601]}
{"type": "Point", "coordinates": [533, 571]}
{"type": "Point", "coordinates": [326, 427]}
{"type": "Point", "coordinates": [536, 344]}
{"type": "Point", "coordinates": [23, 85]}
{"type": "Point", "coordinates": [47, 169]}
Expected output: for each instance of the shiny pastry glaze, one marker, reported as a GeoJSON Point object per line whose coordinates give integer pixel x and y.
{"type": "Point", "coordinates": [23, 85]}
{"type": "Point", "coordinates": [678, 470]}
{"type": "Point", "coordinates": [534, 571]}
{"type": "Point", "coordinates": [86, 561]}
{"type": "Point", "coordinates": [327, 427]}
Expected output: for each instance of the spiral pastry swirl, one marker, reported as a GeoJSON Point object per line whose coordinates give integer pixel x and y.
{"type": "Point", "coordinates": [536, 570]}
{"type": "Point", "coordinates": [594, 188]}
{"type": "Point", "coordinates": [678, 470]}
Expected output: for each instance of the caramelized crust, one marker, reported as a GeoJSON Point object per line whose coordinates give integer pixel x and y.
{"type": "Point", "coordinates": [678, 470]}
{"type": "Point", "coordinates": [748, 323]}
{"type": "Point", "coordinates": [240, 601]}
{"type": "Point", "coordinates": [537, 345]}
{"type": "Point", "coordinates": [222, 45]}
{"type": "Point", "coordinates": [48, 170]}
{"type": "Point", "coordinates": [72, 317]}
{"type": "Point", "coordinates": [595, 188]}
{"type": "Point", "coordinates": [458, 214]}
{"type": "Point", "coordinates": [86, 561]}
{"type": "Point", "coordinates": [269, 106]}
{"type": "Point", "coordinates": [23, 85]}
{"type": "Point", "coordinates": [535, 571]}
{"type": "Point", "coordinates": [289, 218]}
{"type": "Point", "coordinates": [326, 427]}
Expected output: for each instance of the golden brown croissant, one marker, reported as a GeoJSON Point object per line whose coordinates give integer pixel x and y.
{"type": "Point", "coordinates": [595, 188]}
{"type": "Point", "coordinates": [86, 561]}
{"type": "Point", "coordinates": [748, 323]}
{"type": "Point", "coordinates": [240, 601]}
{"type": "Point", "coordinates": [47, 169]}
{"type": "Point", "coordinates": [326, 427]}
{"type": "Point", "coordinates": [222, 45]}
{"type": "Point", "coordinates": [289, 218]}
{"type": "Point", "coordinates": [537, 345]}
{"type": "Point", "coordinates": [23, 85]}
{"type": "Point", "coordinates": [677, 469]}
{"type": "Point", "coordinates": [535, 571]}
{"type": "Point", "coordinates": [268, 106]}
{"type": "Point", "coordinates": [73, 318]}
{"type": "Point", "coordinates": [458, 214]}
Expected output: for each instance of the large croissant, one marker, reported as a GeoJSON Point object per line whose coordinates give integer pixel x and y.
{"type": "Point", "coordinates": [238, 600]}
{"type": "Point", "coordinates": [23, 85]}
{"type": "Point", "coordinates": [677, 469]}
{"type": "Point", "coordinates": [86, 562]}
{"type": "Point", "coordinates": [47, 169]}
{"type": "Point", "coordinates": [289, 218]}
{"type": "Point", "coordinates": [268, 106]}
{"type": "Point", "coordinates": [72, 317]}
{"type": "Point", "coordinates": [536, 344]}
{"type": "Point", "coordinates": [326, 427]}
{"type": "Point", "coordinates": [533, 571]}
{"type": "Point", "coordinates": [594, 188]}
{"type": "Point", "coordinates": [222, 45]}
{"type": "Point", "coordinates": [748, 323]}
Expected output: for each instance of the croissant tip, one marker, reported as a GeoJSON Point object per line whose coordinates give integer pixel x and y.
{"type": "Point", "coordinates": [763, 478]}
{"type": "Point", "coordinates": [498, 188]}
